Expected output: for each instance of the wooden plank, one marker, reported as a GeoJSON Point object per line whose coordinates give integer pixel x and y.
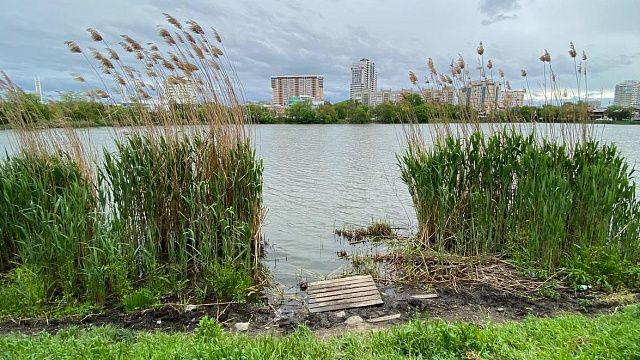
{"type": "Point", "coordinates": [346, 306]}
{"type": "Point", "coordinates": [339, 280]}
{"type": "Point", "coordinates": [384, 318]}
{"type": "Point", "coordinates": [344, 293]}
{"type": "Point", "coordinates": [366, 292]}
{"type": "Point", "coordinates": [345, 301]}
{"type": "Point", "coordinates": [328, 287]}
{"type": "Point", "coordinates": [349, 290]}
{"type": "Point", "coordinates": [340, 286]}
{"type": "Point", "coordinates": [424, 296]}
{"type": "Point", "coordinates": [370, 285]}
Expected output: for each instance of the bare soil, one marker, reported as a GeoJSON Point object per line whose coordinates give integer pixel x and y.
{"type": "Point", "coordinates": [475, 303]}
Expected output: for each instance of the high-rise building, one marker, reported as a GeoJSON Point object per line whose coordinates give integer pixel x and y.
{"type": "Point", "coordinates": [178, 90]}
{"type": "Point", "coordinates": [627, 93]}
{"type": "Point", "coordinates": [387, 96]}
{"type": "Point", "coordinates": [445, 95]}
{"type": "Point", "coordinates": [481, 95]}
{"type": "Point", "coordinates": [39, 89]}
{"type": "Point", "coordinates": [284, 87]}
{"type": "Point", "coordinates": [364, 81]}
{"type": "Point", "coordinates": [511, 98]}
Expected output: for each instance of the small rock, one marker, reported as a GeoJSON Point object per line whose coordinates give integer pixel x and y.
{"type": "Point", "coordinates": [190, 308]}
{"type": "Point", "coordinates": [242, 326]}
{"type": "Point", "coordinates": [500, 309]}
{"type": "Point", "coordinates": [341, 314]}
{"type": "Point", "coordinates": [159, 322]}
{"type": "Point", "coordinates": [354, 320]}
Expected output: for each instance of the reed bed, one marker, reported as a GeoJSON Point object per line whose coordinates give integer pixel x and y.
{"type": "Point", "coordinates": [554, 202]}
{"type": "Point", "coordinates": [175, 211]}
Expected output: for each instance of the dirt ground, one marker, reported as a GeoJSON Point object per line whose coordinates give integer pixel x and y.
{"type": "Point", "coordinates": [473, 303]}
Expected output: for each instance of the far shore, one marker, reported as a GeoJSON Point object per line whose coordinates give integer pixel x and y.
{"type": "Point", "coordinates": [89, 124]}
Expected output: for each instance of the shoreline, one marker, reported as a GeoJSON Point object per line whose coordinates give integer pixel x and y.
{"type": "Point", "coordinates": [86, 125]}
{"type": "Point", "coordinates": [474, 303]}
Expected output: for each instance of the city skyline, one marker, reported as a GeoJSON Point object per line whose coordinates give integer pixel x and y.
{"type": "Point", "coordinates": [299, 38]}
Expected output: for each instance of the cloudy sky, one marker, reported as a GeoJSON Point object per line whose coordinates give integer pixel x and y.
{"type": "Point", "coordinates": [271, 37]}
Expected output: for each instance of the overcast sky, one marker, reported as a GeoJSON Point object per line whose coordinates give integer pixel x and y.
{"type": "Point", "coordinates": [270, 37]}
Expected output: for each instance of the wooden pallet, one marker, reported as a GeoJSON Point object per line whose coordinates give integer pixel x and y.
{"type": "Point", "coordinates": [344, 293]}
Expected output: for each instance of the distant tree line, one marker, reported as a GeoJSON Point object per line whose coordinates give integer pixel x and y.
{"type": "Point", "coordinates": [81, 111]}
{"type": "Point", "coordinates": [414, 108]}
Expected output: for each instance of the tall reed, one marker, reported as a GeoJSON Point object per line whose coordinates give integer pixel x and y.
{"type": "Point", "coordinates": [552, 198]}
{"type": "Point", "coordinates": [177, 208]}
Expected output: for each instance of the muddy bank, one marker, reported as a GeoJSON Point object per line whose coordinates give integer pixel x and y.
{"type": "Point", "coordinates": [473, 303]}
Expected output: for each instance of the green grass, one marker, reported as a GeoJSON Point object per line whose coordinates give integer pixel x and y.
{"type": "Point", "coordinates": [614, 336]}
{"type": "Point", "coordinates": [547, 205]}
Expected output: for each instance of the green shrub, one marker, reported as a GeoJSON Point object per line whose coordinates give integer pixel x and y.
{"type": "Point", "coordinates": [22, 290]}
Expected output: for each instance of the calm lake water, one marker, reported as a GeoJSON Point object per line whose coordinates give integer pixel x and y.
{"type": "Point", "coordinates": [321, 177]}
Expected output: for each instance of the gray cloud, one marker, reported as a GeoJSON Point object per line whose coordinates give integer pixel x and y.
{"type": "Point", "coordinates": [498, 10]}
{"type": "Point", "coordinates": [277, 37]}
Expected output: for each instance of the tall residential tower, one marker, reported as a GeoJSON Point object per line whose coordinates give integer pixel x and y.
{"type": "Point", "coordinates": [284, 88]}
{"type": "Point", "coordinates": [364, 81]}
{"type": "Point", "coordinates": [627, 94]}
{"type": "Point", "coordinates": [39, 89]}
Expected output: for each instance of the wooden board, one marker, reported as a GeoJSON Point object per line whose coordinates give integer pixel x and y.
{"type": "Point", "coordinates": [343, 293]}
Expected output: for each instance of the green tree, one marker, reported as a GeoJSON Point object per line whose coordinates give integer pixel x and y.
{"type": "Point", "coordinates": [617, 112]}
{"type": "Point", "coordinates": [360, 115]}
{"type": "Point", "coordinates": [302, 113]}
{"type": "Point", "coordinates": [327, 114]}
{"type": "Point", "coordinates": [413, 99]}
{"type": "Point", "coordinates": [386, 113]}
{"type": "Point", "coordinates": [344, 110]}
{"type": "Point", "coordinates": [260, 115]}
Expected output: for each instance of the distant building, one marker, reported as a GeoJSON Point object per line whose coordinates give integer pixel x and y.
{"type": "Point", "coordinates": [304, 98]}
{"type": "Point", "coordinates": [510, 98]}
{"type": "Point", "coordinates": [39, 89]}
{"type": "Point", "coordinates": [439, 96]}
{"type": "Point", "coordinates": [386, 96]}
{"type": "Point", "coordinates": [594, 104]}
{"type": "Point", "coordinates": [178, 90]}
{"type": "Point", "coordinates": [627, 94]}
{"type": "Point", "coordinates": [284, 87]}
{"type": "Point", "coordinates": [364, 81]}
{"type": "Point", "coordinates": [481, 95]}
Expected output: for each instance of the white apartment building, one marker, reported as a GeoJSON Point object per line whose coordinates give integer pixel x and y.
{"type": "Point", "coordinates": [627, 94]}
{"type": "Point", "coordinates": [510, 98]}
{"type": "Point", "coordinates": [180, 91]}
{"type": "Point", "coordinates": [481, 95]}
{"type": "Point", "coordinates": [364, 81]}
{"type": "Point", "coordinates": [386, 96]}
{"type": "Point", "coordinates": [285, 87]}
{"type": "Point", "coordinates": [445, 95]}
